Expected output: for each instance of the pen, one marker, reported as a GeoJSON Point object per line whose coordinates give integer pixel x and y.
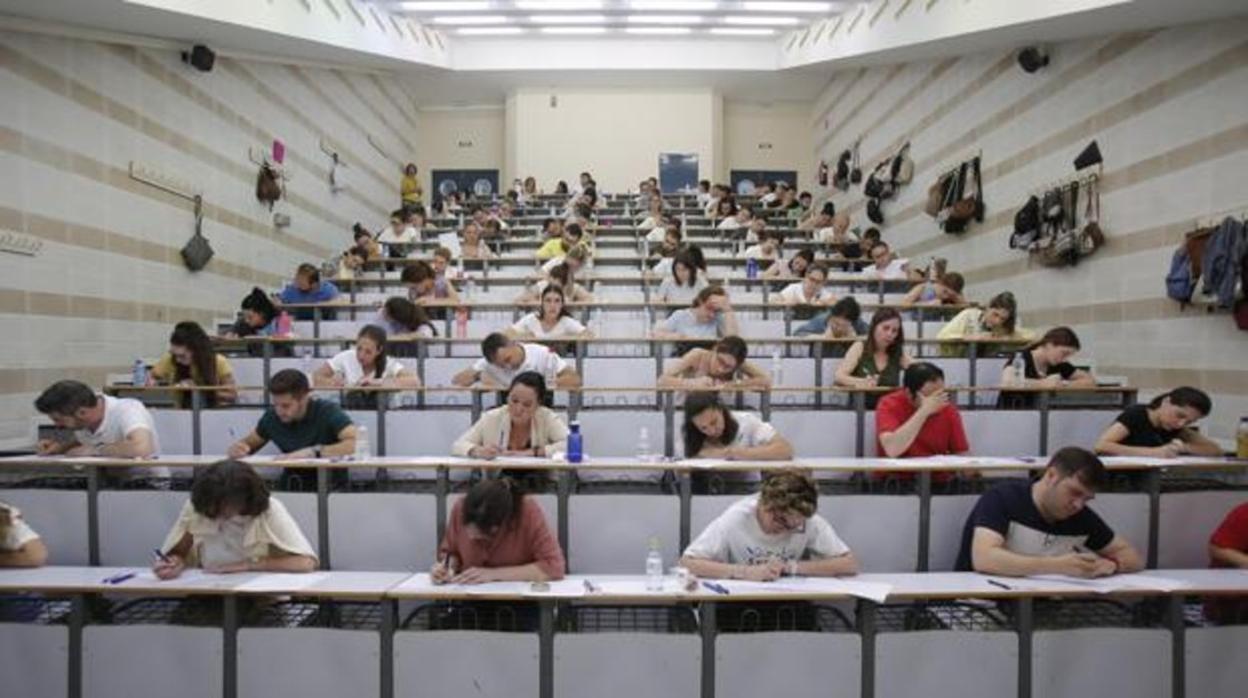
{"type": "Point", "coordinates": [1000, 585]}
{"type": "Point", "coordinates": [118, 578]}
{"type": "Point", "coordinates": [717, 588]}
{"type": "Point", "coordinates": [590, 587]}
{"type": "Point", "coordinates": [163, 557]}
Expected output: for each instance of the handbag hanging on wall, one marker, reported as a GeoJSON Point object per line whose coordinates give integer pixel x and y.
{"type": "Point", "coordinates": [196, 253]}
{"type": "Point", "coordinates": [938, 193]}
{"type": "Point", "coordinates": [1092, 238]}
{"type": "Point", "coordinates": [969, 205]}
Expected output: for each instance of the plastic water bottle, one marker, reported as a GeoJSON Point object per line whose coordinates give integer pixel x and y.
{"type": "Point", "coordinates": [654, 567]}
{"type": "Point", "coordinates": [575, 454]}
{"type": "Point", "coordinates": [777, 369]}
{"type": "Point", "coordinates": [470, 287]}
{"type": "Point", "coordinates": [643, 444]}
{"type": "Point", "coordinates": [461, 323]}
{"type": "Point", "coordinates": [305, 365]}
{"type": "Point", "coordinates": [363, 449]}
{"type": "Point", "coordinates": [139, 377]}
{"type": "Point", "coordinates": [1241, 438]}
{"type": "Point", "coordinates": [1020, 369]}
{"type": "Point", "coordinates": [751, 268]}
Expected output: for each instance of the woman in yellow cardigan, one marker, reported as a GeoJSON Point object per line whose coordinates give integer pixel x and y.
{"type": "Point", "coordinates": [998, 323]}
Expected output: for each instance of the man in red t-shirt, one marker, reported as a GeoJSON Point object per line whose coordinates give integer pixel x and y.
{"type": "Point", "coordinates": [918, 420]}
{"type": "Point", "coordinates": [1228, 547]}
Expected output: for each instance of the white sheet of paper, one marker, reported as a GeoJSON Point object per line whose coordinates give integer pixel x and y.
{"type": "Point", "coordinates": [1115, 583]}
{"type": "Point", "coordinates": [875, 591]}
{"type": "Point", "coordinates": [281, 583]}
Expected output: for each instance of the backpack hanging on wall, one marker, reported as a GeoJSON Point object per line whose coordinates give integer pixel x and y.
{"type": "Point", "coordinates": [969, 205]}
{"type": "Point", "coordinates": [1222, 261]}
{"type": "Point", "coordinates": [874, 212]}
{"type": "Point", "coordinates": [268, 185]}
{"type": "Point", "coordinates": [1026, 225]}
{"type": "Point", "coordinates": [196, 253]}
{"type": "Point", "coordinates": [841, 179]}
{"type": "Point", "coordinates": [1185, 266]}
{"type": "Point", "coordinates": [901, 171]}
{"type": "Point", "coordinates": [938, 194]}
{"type": "Point", "coordinates": [878, 185]}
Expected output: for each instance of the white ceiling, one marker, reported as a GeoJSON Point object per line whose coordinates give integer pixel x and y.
{"type": "Point", "coordinates": [467, 19]}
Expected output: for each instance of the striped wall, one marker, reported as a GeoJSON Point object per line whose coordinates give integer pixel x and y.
{"type": "Point", "coordinates": [1168, 109]}
{"type": "Point", "coordinates": [108, 283]}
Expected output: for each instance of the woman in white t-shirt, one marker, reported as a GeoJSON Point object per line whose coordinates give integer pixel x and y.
{"type": "Point", "coordinates": [682, 285]}
{"type": "Point", "coordinates": [553, 320]}
{"type": "Point", "coordinates": [713, 431]}
{"type": "Point", "coordinates": [20, 546]}
{"type": "Point", "coordinates": [232, 524]}
{"type": "Point", "coordinates": [562, 276]}
{"type": "Point", "coordinates": [809, 291]}
{"type": "Point", "coordinates": [365, 366]}
{"type": "Point", "coordinates": [776, 532]}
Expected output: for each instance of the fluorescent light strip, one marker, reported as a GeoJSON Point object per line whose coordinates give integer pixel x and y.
{"type": "Point", "coordinates": [567, 19]}
{"type": "Point", "coordinates": [559, 4]}
{"type": "Point", "coordinates": [658, 31]}
{"type": "Point", "coordinates": [574, 30]}
{"type": "Point", "coordinates": [762, 21]}
{"type": "Point", "coordinates": [729, 31]}
{"type": "Point", "coordinates": [470, 19]}
{"type": "Point", "coordinates": [786, 6]}
{"type": "Point", "coordinates": [448, 6]}
{"type": "Point", "coordinates": [664, 19]}
{"type": "Point", "coordinates": [489, 31]}
{"type": "Point", "coordinates": [674, 5]}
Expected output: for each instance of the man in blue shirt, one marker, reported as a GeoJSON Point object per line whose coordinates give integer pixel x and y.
{"type": "Point", "coordinates": [308, 288]}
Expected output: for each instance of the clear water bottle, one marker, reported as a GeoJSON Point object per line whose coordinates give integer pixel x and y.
{"type": "Point", "coordinates": [139, 375]}
{"type": "Point", "coordinates": [575, 454]}
{"type": "Point", "coordinates": [777, 369]}
{"type": "Point", "coordinates": [305, 364]}
{"type": "Point", "coordinates": [1241, 438]}
{"type": "Point", "coordinates": [751, 268]}
{"type": "Point", "coordinates": [470, 287]}
{"type": "Point", "coordinates": [643, 445]}
{"type": "Point", "coordinates": [1020, 369]}
{"type": "Point", "coordinates": [363, 449]}
{"type": "Point", "coordinates": [654, 567]}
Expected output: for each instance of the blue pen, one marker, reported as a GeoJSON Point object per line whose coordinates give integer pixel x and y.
{"type": "Point", "coordinates": [163, 557]}
{"type": "Point", "coordinates": [717, 588]}
{"type": "Point", "coordinates": [118, 578]}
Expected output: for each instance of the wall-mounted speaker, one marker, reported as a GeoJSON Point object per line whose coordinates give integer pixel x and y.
{"type": "Point", "coordinates": [1032, 59]}
{"type": "Point", "coordinates": [200, 57]}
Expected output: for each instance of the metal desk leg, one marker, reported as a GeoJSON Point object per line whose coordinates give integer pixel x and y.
{"type": "Point", "coordinates": [925, 519]}
{"type": "Point", "coordinates": [197, 433]}
{"type": "Point", "coordinates": [476, 405]}
{"type": "Point", "coordinates": [93, 515]}
{"type": "Point", "coordinates": [1044, 423]}
{"type": "Point", "coordinates": [669, 424]}
{"type": "Point", "coordinates": [684, 484]}
{"type": "Point", "coordinates": [441, 488]}
{"type": "Point", "coordinates": [706, 619]}
{"type": "Point", "coordinates": [866, 630]}
{"type": "Point", "coordinates": [764, 404]}
{"type": "Point", "coordinates": [818, 375]}
{"type": "Point", "coordinates": [266, 350]}
{"type": "Point", "coordinates": [973, 355]}
{"type": "Point", "coordinates": [316, 332]}
{"type": "Point", "coordinates": [422, 354]}
{"type": "Point", "coordinates": [546, 652]}
{"type": "Point", "coordinates": [1154, 515]}
{"type": "Point", "coordinates": [77, 619]}
{"type": "Point", "coordinates": [386, 645]}
{"type": "Point", "coordinates": [1178, 647]}
{"type": "Point", "coordinates": [860, 413]}
{"type": "Point", "coordinates": [322, 515]}
{"type": "Point", "coordinates": [382, 401]}
{"type": "Point", "coordinates": [229, 642]}
{"type": "Point", "coordinates": [1026, 624]}
{"type": "Point", "coordinates": [563, 493]}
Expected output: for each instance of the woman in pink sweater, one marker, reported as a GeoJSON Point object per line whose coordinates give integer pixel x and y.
{"type": "Point", "coordinates": [497, 534]}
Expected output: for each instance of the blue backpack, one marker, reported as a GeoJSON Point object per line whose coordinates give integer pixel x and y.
{"type": "Point", "coordinates": [1180, 283]}
{"type": "Point", "coordinates": [1227, 246]}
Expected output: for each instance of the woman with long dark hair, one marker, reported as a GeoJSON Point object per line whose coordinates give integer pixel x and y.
{"type": "Point", "coordinates": [1162, 428]}
{"type": "Point", "coordinates": [551, 320]}
{"type": "Point", "coordinates": [879, 358]}
{"type": "Point", "coordinates": [1046, 364]}
{"type": "Point", "coordinates": [367, 365]}
{"type": "Point", "coordinates": [192, 360]}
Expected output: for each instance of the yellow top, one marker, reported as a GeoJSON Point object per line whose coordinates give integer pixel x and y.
{"type": "Point", "coordinates": [411, 190]}
{"type": "Point", "coordinates": [165, 370]}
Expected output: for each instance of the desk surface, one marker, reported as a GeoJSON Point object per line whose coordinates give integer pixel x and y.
{"type": "Point", "coordinates": [624, 588]}
{"type": "Point", "coordinates": [591, 463]}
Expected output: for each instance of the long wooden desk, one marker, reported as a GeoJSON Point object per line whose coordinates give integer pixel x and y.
{"type": "Point", "coordinates": [871, 594]}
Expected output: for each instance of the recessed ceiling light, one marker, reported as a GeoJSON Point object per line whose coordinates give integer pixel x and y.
{"type": "Point", "coordinates": [489, 31]}
{"type": "Point", "coordinates": [786, 6]}
{"type": "Point", "coordinates": [674, 5]}
{"type": "Point", "coordinates": [574, 30]}
{"type": "Point", "coordinates": [446, 6]}
{"type": "Point", "coordinates": [470, 19]}
{"type": "Point", "coordinates": [765, 21]}
{"type": "Point", "coordinates": [559, 4]}
{"type": "Point", "coordinates": [567, 19]}
{"type": "Point", "coordinates": [658, 31]}
{"type": "Point", "coordinates": [730, 31]}
{"type": "Point", "coordinates": [664, 19]}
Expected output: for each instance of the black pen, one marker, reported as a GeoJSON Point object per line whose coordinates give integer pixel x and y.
{"type": "Point", "coordinates": [1001, 585]}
